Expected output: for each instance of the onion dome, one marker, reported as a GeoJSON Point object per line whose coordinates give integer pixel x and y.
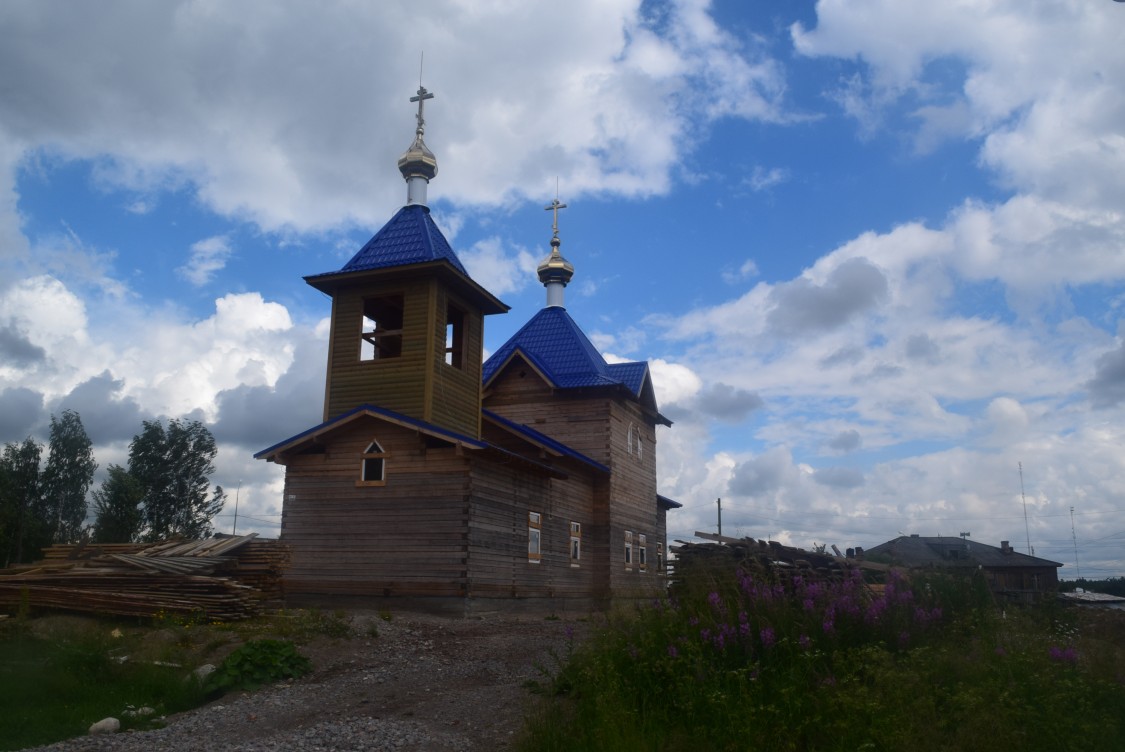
{"type": "Point", "coordinates": [555, 271]}
{"type": "Point", "coordinates": [418, 164]}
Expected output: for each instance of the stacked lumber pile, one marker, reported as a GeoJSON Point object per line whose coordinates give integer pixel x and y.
{"type": "Point", "coordinates": [225, 578]}
{"type": "Point", "coordinates": [725, 555]}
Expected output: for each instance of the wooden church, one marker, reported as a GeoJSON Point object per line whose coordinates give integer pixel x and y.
{"type": "Point", "coordinates": [528, 480]}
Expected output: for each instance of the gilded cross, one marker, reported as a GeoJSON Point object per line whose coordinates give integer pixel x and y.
{"type": "Point", "coordinates": [555, 206]}
{"type": "Point", "coordinates": [423, 95]}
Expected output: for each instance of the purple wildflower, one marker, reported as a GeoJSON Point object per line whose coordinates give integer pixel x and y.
{"type": "Point", "coordinates": [672, 652]}
{"type": "Point", "coordinates": [768, 637]}
{"type": "Point", "coordinates": [804, 642]}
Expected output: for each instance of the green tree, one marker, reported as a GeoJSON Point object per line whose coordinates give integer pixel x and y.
{"type": "Point", "coordinates": [21, 507]}
{"type": "Point", "coordinates": [173, 467]}
{"type": "Point", "coordinates": [67, 477]}
{"type": "Point", "coordinates": [117, 506]}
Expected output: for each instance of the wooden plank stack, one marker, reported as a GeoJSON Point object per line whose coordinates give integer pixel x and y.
{"type": "Point", "coordinates": [224, 578]}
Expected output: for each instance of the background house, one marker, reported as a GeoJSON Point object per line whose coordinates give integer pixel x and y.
{"type": "Point", "coordinates": [435, 475]}
{"type": "Point", "coordinates": [1009, 573]}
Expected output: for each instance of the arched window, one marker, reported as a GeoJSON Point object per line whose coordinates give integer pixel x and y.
{"type": "Point", "coordinates": [374, 464]}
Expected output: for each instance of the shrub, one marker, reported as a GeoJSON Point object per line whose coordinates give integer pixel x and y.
{"type": "Point", "coordinates": [256, 663]}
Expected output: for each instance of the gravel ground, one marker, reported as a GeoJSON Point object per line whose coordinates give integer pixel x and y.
{"type": "Point", "coordinates": [424, 683]}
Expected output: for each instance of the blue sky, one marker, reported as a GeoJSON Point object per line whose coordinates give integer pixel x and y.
{"type": "Point", "coordinates": [873, 250]}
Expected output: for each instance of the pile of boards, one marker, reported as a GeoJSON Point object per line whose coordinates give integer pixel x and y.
{"type": "Point", "coordinates": [225, 578]}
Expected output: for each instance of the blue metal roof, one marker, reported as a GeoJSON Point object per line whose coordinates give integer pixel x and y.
{"type": "Point", "coordinates": [631, 375]}
{"type": "Point", "coordinates": [555, 344]}
{"type": "Point", "coordinates": [544, 440]}
{"type": "Point", "coordinates": [410, 237]}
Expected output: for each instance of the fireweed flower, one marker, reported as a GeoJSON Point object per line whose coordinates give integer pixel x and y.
{"type": "Point", "coordinates": [672, 652]}
{"type": "Point", "coordinates": [768, 637]}
{"type": "Point", "coordinates": [804, 642]}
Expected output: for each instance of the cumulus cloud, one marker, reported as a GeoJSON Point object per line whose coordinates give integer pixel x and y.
{"type": "Point", "coordinates": [846, 441]}
{"type": "Point", "coordinates": [16, 350]}
{"type": "Point", "coordinates": [196, 98]}
{"type": "Point", "coordinates": [208, 257]}
{"type": "Point", "coordinates": [21, 410]}
{"type": "Point", "coordinates": [804, 307]}
{"type": "Point", "coordinates": [500, 269]}
{"type": "Point", "coordinates": [838, 477]}
{"type": "Point", "coordinates": [108, 414]}
{"type": "Point", "coordinates": [764, 474]}
{"type": "Point", "coordinates": [727, 403]}
{"type": "Point", "coordinates": [1107, 387]}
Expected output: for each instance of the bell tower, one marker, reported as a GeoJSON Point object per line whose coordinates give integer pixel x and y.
{"type": "Point", "coordinates": [407, 319]}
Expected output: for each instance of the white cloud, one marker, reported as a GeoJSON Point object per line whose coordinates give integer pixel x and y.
{"type": "Point", "coordinates": [208, 257]}
{"type": "Point", "coordinates": [500, 269]}
{"type": "Point", "coordinates": [182, 94]}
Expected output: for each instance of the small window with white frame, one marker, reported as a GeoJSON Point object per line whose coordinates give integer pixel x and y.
{"type": "Point", "coordinates": [373, 468]}
{"type": "Point", "coordinates": [642, 552]}
{"type": "Point", "coordinates": [534, 537]}
{"type": "Point", "coordinates": [575, 543]}
{"type": "Point", "coordinates": [659, 556]}
{"type": "Point", "coordinates": [628, 549]}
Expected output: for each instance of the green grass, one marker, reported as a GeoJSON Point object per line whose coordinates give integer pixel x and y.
{"type": "Point", "coordinates": [54, 688]}
{"type": "Point", "coordinates": [59, 674]}
{"type": "Point", "coordinates": [768, 663]}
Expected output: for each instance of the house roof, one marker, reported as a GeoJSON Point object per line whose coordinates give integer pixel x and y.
{"type": "Point", "coordinates": [667, 503]}
{"type": "Point", "coordinates": [942, 551]}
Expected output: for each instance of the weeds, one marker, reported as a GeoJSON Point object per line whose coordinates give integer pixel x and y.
{"type": "Point", "coordinates": [769, 662]}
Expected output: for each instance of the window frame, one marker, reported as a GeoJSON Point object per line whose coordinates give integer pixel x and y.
{"type": "Point", "coordinates": [642, 552]}
{"type": "Point", "coordinates": [534, 538]}
{"type": "Point", "coordinates": [369, 456]}
{"type": "Point", "coordinates": [629, 550]}
{"type": "Point", "coordinates": [575, 544]}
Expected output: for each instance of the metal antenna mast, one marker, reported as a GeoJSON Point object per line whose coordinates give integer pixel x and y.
{"type": "Point", "coordinates": [1026, 529]}
{"type": "Point", "coordinates": [1074, 539]}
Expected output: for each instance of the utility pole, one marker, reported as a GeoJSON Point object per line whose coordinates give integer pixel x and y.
{"type": "Point", "coordinates": [719, 501]}
{"type": "Point", "coordinates": [234, 530]}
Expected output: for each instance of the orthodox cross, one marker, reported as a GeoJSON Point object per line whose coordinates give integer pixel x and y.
{"type": "Point", "coordinates": [555, 206]}
{"type": "Point", "coordinates": [423, 95]}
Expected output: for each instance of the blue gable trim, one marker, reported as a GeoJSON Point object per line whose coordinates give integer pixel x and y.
{"type": "Point", "coordinates": [373, 410]}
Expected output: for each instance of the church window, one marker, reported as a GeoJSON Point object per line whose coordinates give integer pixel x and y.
{"type": "Point", "coordinates": [454, 336]}
{"type": "Point", "coordinates": [534, 537]}
{"type": "Point", "coordinates": [634, 442]}
{"type": "Point", "coordinates": [575, 543]}
{"type": "Point", "coordinates": [374, 468]}
{"type": "Point", "coordinates": [381, 334]}
{"type": "Point", "coordinates": [642, 553]}
{"type": "Point", "coordinates": [628, 549]}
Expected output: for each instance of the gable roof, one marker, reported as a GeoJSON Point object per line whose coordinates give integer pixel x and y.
{"type": "Point", "coordinates": [328, 426]}
{"type": "Point", "coordinates": [944, 551]}
{"type": "Point", "coordinates": [553, 344]}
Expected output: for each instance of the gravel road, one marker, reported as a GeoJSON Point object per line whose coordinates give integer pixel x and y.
{"type": "Point", "coordinates": [423, 683]}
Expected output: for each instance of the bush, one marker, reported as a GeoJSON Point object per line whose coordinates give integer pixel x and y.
{"type": "Point", "coordinates": [256, 663]}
